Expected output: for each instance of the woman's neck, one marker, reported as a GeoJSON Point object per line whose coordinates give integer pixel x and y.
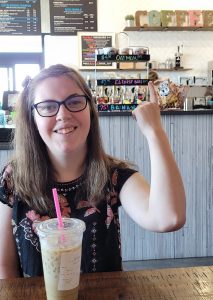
{"type": "Point", "coordinates": [68, 168]}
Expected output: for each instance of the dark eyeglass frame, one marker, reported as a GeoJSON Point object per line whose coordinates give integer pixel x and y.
{"type": "Point", "coordinates": [59, 103]}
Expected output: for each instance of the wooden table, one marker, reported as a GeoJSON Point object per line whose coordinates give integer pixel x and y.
{"type": "Point", "coordinates": [162, 284]}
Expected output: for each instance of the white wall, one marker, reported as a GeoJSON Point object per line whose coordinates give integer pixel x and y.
{"type": "Point", "coordinates": [111, 13]}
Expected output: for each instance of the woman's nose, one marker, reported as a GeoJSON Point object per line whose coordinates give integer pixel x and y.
{"type": "Point", "coordinates": [63, 113]}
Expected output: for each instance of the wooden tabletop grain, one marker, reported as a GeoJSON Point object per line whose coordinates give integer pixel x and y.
{"type": "Point", "coordinates": [163, 284]}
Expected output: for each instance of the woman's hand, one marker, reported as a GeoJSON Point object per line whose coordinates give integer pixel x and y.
{"type": "Point", "coordinates": [147, 114]}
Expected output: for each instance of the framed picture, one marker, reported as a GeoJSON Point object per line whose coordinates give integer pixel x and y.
{"type": "Point", "coordinates": [88, 43]}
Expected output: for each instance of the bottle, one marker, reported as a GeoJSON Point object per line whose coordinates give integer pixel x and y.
{"type": "Point", "coordinates": [2, 118]}
{"type": "Point", "coordinates": [178, 58]}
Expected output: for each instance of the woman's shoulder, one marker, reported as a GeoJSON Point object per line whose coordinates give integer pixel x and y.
{"type": "Point", "coordinates": [120, 174]}
{"type": "Point", "coordinates": [6, 185]}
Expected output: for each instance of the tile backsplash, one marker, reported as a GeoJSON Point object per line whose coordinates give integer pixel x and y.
{"type": "Point", "coordinates": [197, 49]}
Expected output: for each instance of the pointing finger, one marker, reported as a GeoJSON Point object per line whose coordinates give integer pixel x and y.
{"type": "Point", "coordinates": [152, 91]}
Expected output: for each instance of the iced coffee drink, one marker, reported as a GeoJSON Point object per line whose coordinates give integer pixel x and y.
{"type": "Point", "coordinates": [61, 257]}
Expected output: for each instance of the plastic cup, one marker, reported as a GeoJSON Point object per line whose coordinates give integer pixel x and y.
{"type": "Point", "coordinates": [61, 257]}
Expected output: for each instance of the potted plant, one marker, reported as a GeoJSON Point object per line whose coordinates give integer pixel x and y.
{"type": "Point", "coordinates": [130, 20]}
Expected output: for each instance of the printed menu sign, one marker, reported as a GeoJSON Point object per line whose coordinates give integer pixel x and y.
{"type": "Point", "coordinates": [88, 43]}
{"type": "Point", "coordinates": [72, 16]}
{"type": "Point", "coordinates": [20, 17]}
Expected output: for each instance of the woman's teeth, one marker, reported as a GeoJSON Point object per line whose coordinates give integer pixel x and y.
{"type": "Point", "coordinates": [65, 130]}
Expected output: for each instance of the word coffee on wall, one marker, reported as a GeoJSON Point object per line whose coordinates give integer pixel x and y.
{"type": "Point", "coordinates": [179, 18]}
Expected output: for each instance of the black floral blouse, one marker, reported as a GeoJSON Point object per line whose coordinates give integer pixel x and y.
{"type": "Point", "coordinates": [101, 248]}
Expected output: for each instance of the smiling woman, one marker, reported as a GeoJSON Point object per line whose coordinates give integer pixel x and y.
{"type": "Point", "coordinates": [58, 145]}
{"type": "Point", "coordinates": [54, 119]}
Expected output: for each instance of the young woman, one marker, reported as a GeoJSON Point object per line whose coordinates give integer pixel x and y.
{"type": "Point", "coordinates": [57, 144]}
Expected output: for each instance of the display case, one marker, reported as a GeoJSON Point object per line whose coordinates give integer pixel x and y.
{"type": "Point", "coordinates": [121, 94]}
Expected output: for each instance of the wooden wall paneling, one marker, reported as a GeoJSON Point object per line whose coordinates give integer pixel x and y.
{"type": "Point", "coordinates": [192, 143]}
{"type": "Point", "coordinates": [202, 173]}
{"type": "Point", "coordinates": [128, 136]}
{"type": "Point", "coordinates": [209, 181]}
{"type": "Point", "coordinates": [127, 236]}
{"type": "Point", "coordinates": [148, 244]}
{"type": "Point", "coordinates": [184, 150]}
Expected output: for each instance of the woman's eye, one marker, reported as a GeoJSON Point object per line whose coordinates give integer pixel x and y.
{"type": "Point", "coordinates": [74, 101]}
{"type": "Point", "coordinates": [47, 107]}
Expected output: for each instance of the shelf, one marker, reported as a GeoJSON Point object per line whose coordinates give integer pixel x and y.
{"type": "Point", "coordinates": [123, 58]}
{"type": "Point", "coordinates": [161, 28]}
{"type": "Point", "coordinates": [108, 82]}
{"type": "Point", "coordinates": [179, 112]}
{"type": "Point", "coordinates": [160, 70]}
{"type": "Point", "coordinates": [138, 70]}
{"type": "Point", "coordinates": [172, 70]}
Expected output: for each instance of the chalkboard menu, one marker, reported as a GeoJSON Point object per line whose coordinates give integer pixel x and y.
{"type": "Point", "coordinates": [20, 17]}
{"type": "Point", "coordinates": [116, 107]}
{"type": "Point", "coordinates": [70, 17]}
{"type": "Point", "coordinates": [108, 82]}
{"type": "Point", "coordinates": [88, 43]}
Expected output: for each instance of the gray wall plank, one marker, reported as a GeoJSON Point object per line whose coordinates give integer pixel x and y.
{"type": "Point", "coordinates": [191, 140]}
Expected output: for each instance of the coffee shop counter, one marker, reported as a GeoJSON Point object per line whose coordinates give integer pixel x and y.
{"type": "Point", "coordinates": [163, 112]}
{"type": "Point", "coordinates": [191, 138]}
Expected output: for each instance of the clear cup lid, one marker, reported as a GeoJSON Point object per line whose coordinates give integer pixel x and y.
{"type": "Point", "coordinates": [71, 225]}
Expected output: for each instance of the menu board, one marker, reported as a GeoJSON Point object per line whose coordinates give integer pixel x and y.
{"type": "Point", "coordinates": [88, 43]}
{"type": "Point", "coordinates": [116, 107]}
{"type": "Point", "coordinates": [72, 16]}
{"type": "Point", "coordinates": [20, 17]}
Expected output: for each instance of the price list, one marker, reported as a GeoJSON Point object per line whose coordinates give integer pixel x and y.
{"type": "Point", "coordinates": [20, 17]}
{"type": "Point", "coordinates": [72, 16]}
{"type": "Point", "coordinates": [89, 43]}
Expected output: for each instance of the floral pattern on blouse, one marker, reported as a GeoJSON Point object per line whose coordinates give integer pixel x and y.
{"type": "Point", "coordinates": [101, 246]}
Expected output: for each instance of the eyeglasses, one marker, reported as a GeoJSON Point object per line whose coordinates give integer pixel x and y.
{"type": "Point", "coordinates": [50, 108]}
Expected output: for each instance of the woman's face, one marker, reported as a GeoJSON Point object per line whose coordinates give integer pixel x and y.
{"type": "Point", "coordinates": [66, 133]}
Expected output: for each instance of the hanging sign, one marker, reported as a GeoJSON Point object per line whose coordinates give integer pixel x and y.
{"type": "Point", "coordinates": [67, 17]}
{"type": "Point", "coordinates": [20, 17]}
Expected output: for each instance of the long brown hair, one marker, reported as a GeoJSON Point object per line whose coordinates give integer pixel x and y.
{"type": "Point", "coordinates": [33, 173]}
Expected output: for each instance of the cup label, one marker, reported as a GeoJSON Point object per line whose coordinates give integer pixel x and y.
{"type": "Point", "coordinates": [69, 269]}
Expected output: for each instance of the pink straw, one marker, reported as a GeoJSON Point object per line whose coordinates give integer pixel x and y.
{"type": "Point", "coordinates": [57, 208]}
